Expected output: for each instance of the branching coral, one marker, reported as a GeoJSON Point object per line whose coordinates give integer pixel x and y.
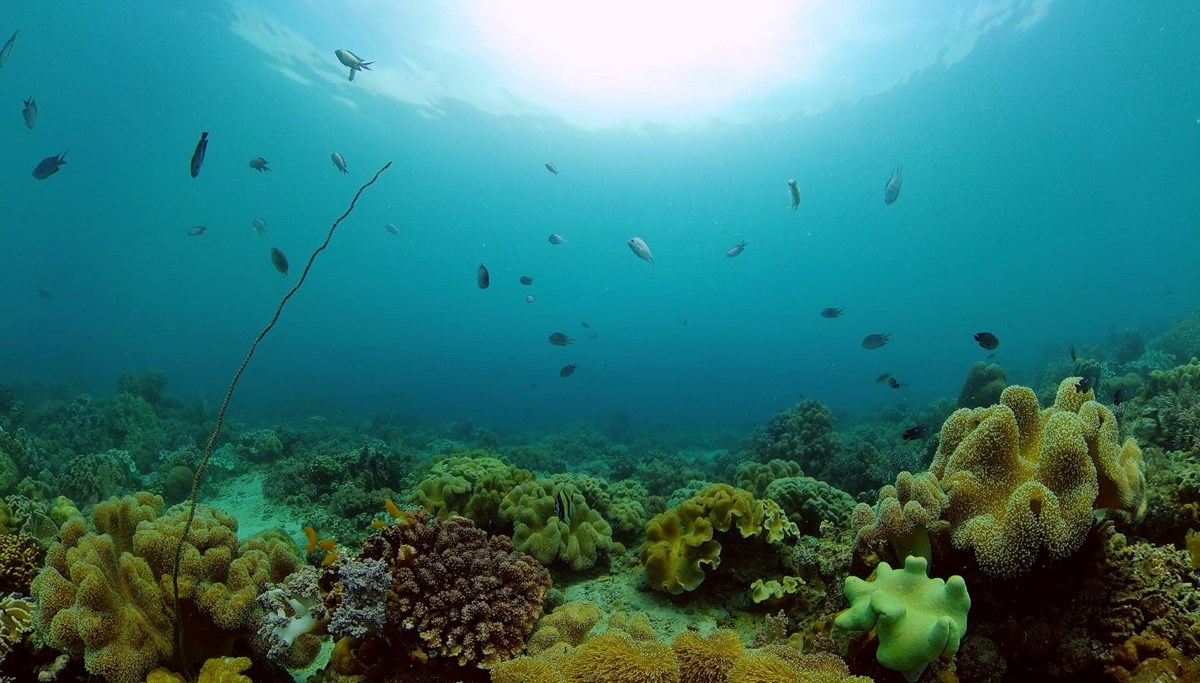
{"type": "Point", "coordinates": [803, 434]}
{"type": "Point", "coordinates": [456, 593]}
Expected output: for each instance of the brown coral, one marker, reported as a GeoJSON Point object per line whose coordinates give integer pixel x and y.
{"type": "Point", "coordinates": [20, 559]}
{"type": "Point", "coordinates": [569, 623]}
{"type": "Point", "coordinates": [456, 593]}
{"type": "Point", "coordinates": [706, 660]}
{"type": "Point", "coordinates": [614, 657]}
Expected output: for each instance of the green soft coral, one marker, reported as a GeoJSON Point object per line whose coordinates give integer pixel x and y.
{"type": "Point", "coordinates": [469, 484]}
{"type": "Point", "coordinates": [917, 619]}
{"type": "Point", "coordinates": [538, 530]}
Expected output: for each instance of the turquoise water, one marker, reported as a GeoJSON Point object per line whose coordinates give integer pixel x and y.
{"type": "Point", "coordinates": [1049, 197]}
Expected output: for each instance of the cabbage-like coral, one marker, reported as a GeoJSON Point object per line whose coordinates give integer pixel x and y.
{"type": "Point", "coordinates": [538, 529]}
{"type": "Point", "coordinates": [808, 502]}
{"type": "Point", "coordinates": [982, 386]}
{"type": "Point", "coordinates": [456, 593]}
{"type": "Point", "coordinates": [803, 434]}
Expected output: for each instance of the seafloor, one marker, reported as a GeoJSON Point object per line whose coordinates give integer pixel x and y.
{"type": "Point", "coordinates": [1044, 532]}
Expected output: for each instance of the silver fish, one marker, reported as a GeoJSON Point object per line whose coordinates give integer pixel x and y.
{"type": "Point", "coordinates": [639, 247]}
{"type": "Point", "coordinates": [30, 113]}
{"type": "Point", "coordinates": [196, 230]}
{"type": "Point", "coordinates": [339, 161]}
{"type": "Point", "coordinates": [49, 166]}
{"type": "Point", "coordinates": [551, 167]}
{"type": "Point", "coordinates": [348, 58]}
{"type": "Point", "coordinates": [794, 191]}
{"type": "Point", "coordinates": [259, 164]}
{"type": "Point", "coordinates": [737, 249]}
{"type": "Point", "coordinates": [391, 227]}
{"type": "Point", "coordinates": [7, 49]}
{"type": "Point", "coordinates": [556, 238]}
{"type": "Point", "coordinates": [891, 191]}
{"type": "Point", "coordinates": [259, 225]}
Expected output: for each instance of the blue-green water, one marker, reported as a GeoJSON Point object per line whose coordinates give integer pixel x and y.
{"type": "Point", "coordinates": [1050, 196]}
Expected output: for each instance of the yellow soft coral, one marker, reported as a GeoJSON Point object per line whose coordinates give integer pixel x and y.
{"type": "Point", "coordinates": [471, 485]}
{"type": "Point", "coordinates": [539, 531]}
{"type": "Point", "coordinates": [706, 660]}
{"type": "Point", "coordinates": [215, 670]}
{"type": "Point", "coordinates": [782, 664]}
{"type": "Point", "coordinates": [679, 541]}
{"type": "Point", "coordinates": [568, 623]}
{"type": "Point", "coordinates": [902, 516]}
{"type": "Point", "coordinates": [1020, 480]}
{"type": "Point", "coordinates": [616, 658]}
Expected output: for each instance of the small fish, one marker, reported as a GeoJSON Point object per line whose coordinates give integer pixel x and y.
{"type": "Point", "coordinates": [556, 239]}
{"type": "Point", "coordinates": [7, 49]}
{"type": "Point", "coordinates": [736, 249]}
{"type": "Point", "coordinates": [259, 225]}
{"type": "Point", "coordinates": [526, 280]}
{"type": "Point", "coordinates": [914, 433]}
{"type": "Point", "coordinates": [639, 247]}
{"type": "Point", "coordinates": [567, 370]}
{"type": "Point", "coordinates": [49, 166]}
{"type": "Point", "coordinates": [482, 278]}
{"type": "Point", "coordinates": [564, 503]}
{"type": "Point", "coordinates": [831, 312]}
{"type": "Point", "coordinates": [279, 261]}
{"type": "Point", "coordinates": [198, 154]}
{"type": "Point", "coordinates": [391, 227]}
{"type": "Point", "coordinates": [875, 341]}
{"type": "Point", "coordinates": [196, 230]}
{"type": "Point", "coordinates": [794, 191]}
{"type": "Point", "coordinates": [559, 339]}
{"type": "Point", "coordinates": [259, 164]}
{"type": "Point", "coordinates": [683, 321]}
{"type": "Point", "coordinates": [348, 58]}
{"type": "Point", "coordinates": [30, 113]}
{"type": "Point", "coordinates": [43, 293]}
{"type": "Point", "coordinates": [891, 190]}
{"type": "Point", "coordinates": [893, 383]}
{"type": "Point", "coordinates": [584, 324]}
{"type": "Point", "coordinates": [339, 161]}
{"type": "Point", "coordinates": [551, 167]}
{"type": "Point", "coordinates": [991, 356]}
{"type": "Point", "coordinates": [530, 299]}
{"type": "Point", "coordinates": [1118, 396]}
{"type": "Point", "coordinates": [987, 340]}
{"type": "Point", "coordinates": [883, 378]}
{"type": "Point", "coordinates": [1084, 384]}
{"type": "Point", "coordinates": [1071, 350]}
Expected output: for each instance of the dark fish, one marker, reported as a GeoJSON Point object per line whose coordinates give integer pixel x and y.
{"type": "Point", "coordinates": [736, 249]}
{"type": "Point", "coordinates": [391, 227]}
{"type": "Point", "coordinates": [1118, 397]}
{"type": "Point", "coordinates": [893, 383]}
{"type": "Point", "coordinates": [43, 293]}
{"type": "Point", "coordinates": [584, 324]}
{"type": "Point", "coordinates": [875, 341]}
{"type": "Point", "coordinates": [991, 356]}
{"type": "Point", "coordinates": [891, 191]}
{"type": "Point", "coordinates": [883, 378]}
{"type": "Point", "coordinates": [683, 321]}
{"type": "Point", "coordinates": [1071, 350]}
{"type": "Point", "coordinates": [560, 339]}
{"type": "Point", "coordinates": [564, 504]}
{"type": "Point", "coordinates": [198, 155]}
{"type": "Point", "coordinates": [987, 340]}
{"type": "Point", "coordinates": [279, 261]}
{"type": "Point", "coordinates": [551, 167]}
{"type": "Point", "coordinates": [30, 112]}
{"type": "Point", "coordinates": [914, 433]}
{"type": "Point", "coordinates": [526, 280]}
{"type": "Point", "coordinates": [831, 312]}
{"type": "Point", "coordinates": [8, 46]}
{"type": "Point", "coordinates": [259, 164]}
{"type": "Point", "coordinates": [482, 278]}
{"type": "Point", "coordinates": [567, 370]}
{"type": "Point", "coordinates": [794, 193]}
{"type": "Point", "coordinates": [49, 166]}
{"type": "Point", "coordinates": [1084, 384]}
{"type": "Point", "coordinates": [196, 230]}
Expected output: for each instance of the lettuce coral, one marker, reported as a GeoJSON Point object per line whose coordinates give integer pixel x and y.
{"type": "Point", "coordinates": [539, 530]}
{"type": "Point", "coordinates": [1020, 480]}
{"type": "Point", "coordinates": [680, 541]}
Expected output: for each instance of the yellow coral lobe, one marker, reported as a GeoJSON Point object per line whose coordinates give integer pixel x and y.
{"type": "Point", "coordinates": [377, 524]}
{"type": "Point", "coordinates": [330, 558]}
{"type": "Point", "coordinates": [311, 533]}
{"type": "Point", "coordinates": [391, 508]}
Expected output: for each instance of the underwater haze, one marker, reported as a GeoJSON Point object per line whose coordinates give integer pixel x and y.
{"type": "Point", "coordinates": [1050, 172]}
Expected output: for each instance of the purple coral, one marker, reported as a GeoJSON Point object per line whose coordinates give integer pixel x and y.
{"type": "Point", "coordinates": [357, 603]}
{"type": "Point", "coordinates": [456, 593]}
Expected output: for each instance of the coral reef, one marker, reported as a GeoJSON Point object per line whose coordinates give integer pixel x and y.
{"type": "Point", "coordinates": [982, 386]}
{"type": "Point", "coordinates": [456, 594]}
{"type": "Point", "coordinates": [803, 434]}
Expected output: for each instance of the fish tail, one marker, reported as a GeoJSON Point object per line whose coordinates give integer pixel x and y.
{"type": "Point", "coordinates": [365, 65]}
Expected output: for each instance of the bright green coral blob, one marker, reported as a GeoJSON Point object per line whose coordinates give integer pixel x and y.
{"type": "Point", "coordinates": [918, 619]}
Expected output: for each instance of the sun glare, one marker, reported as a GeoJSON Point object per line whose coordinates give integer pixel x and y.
{"type": "Point", "coordinates": [627, 57]}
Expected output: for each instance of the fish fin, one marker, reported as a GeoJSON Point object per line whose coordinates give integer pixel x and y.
{"type": "Point", "coordinates": [352, 73]}
{"type": "Point", "coordinates": [365, 65]}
